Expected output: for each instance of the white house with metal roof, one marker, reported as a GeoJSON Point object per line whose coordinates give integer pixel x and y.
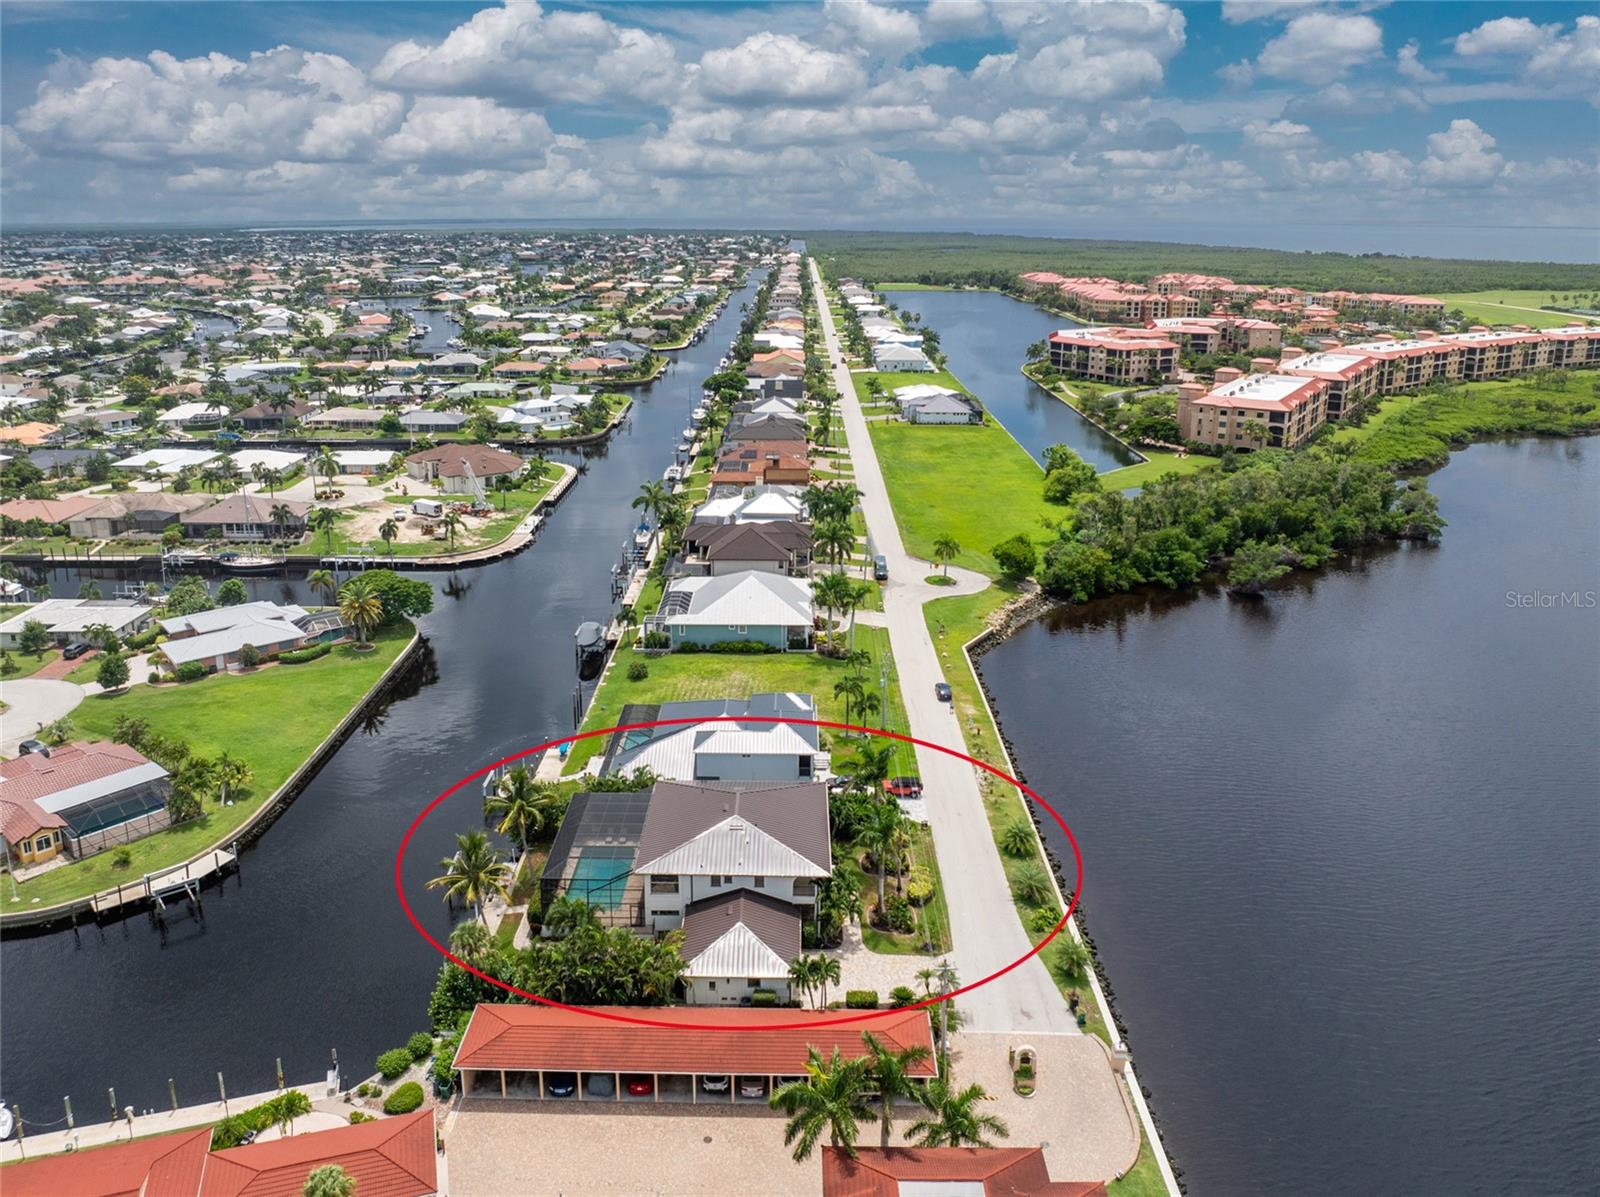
{"type": "Point", "coordinates": [750, 606]}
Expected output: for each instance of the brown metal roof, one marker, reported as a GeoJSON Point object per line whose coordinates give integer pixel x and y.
{"type": "Point", "coordinates": [774, 922]}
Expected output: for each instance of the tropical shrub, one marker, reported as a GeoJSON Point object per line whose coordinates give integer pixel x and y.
{"type": "Point", "coordinates": [899, 915]}
{"type": "Point", "coordinates": [763, 997]}
{"type": "Point", "coordinates": [1032, 884]}
{"type": "Point", "coordinates": [357, 1117]}
{"type": "Point", "coordinates": [230, 1132]}
{"type": "Point", "coordinates": [919, 886]}
{"type": "Point", "coordinates": [861, 999]}
{"type": "Point", "coordinates": [1044, 919]}
{"type": "Point", "coordinates": [249, 656]}
{"type": "Point", "coordinates": [732, 647]}
{"type": "Point", "coordinates": [300, 656]}
{"type": "Point", "coordinates": [1017, 839]}
{"type": "Point", "coordinates": [901, 995]}
{"type": "Point", "coordinates": [1072, 958]}
{"type": "Point", "coordinates": [638, 671]}
{"type": "Point", "coordinates": [656, 640]}
{"type": "Point", "coordinates": [404, 1099]}
{"type": "Point", "coordinates": [189, 671]}
{"type": "Point", "coordinates": [420, 1045]}
{"type": "Point", "coordinates": [394, 1062]}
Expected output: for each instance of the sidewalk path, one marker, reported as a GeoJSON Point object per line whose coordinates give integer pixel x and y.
{"type": "Point", "coordinates": [987, 932]}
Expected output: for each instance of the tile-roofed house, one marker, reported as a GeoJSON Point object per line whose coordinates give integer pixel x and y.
{"type": "Point", "coordinates": [784, 463]}
{"type": "Point", "coordinates": [698, 1040]}
{"type": "Point", "coordinates": [736, 943]}
{"type": "Point", "coordinates": [146, 513]}
{"type": "Point", "coordinates": [455, 466]}
{"type": "Point", "coordinates": [95, 788]}
{"type": "Point", "coordinates": [51, 511]}
{"type": "Point", "coordinates": [248, 517]}
{"type": "Point", "coordinates": [162, 1164]}
{"type": "Point", "coordinates": [946, 1172]}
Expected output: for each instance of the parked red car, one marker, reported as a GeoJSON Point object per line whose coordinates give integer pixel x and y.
{"type": "Point", "coordinates": [640, 1086]}
{"type": "Point", "coordinates": [902, 787]}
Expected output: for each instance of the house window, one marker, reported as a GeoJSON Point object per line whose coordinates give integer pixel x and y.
{"type": "Point", "coordinates": [664, 884]}
{"type": "Point", "coordinates": [711, 985]}
{"type": "Point", "coordinates": [752, 983]}
{"type": "Point", "coordinates": [761, 883]}
{"type": "Point", "coordinates": [716, 882]}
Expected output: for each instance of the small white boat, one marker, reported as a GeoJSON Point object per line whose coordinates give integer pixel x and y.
{"type": "Point", "coordinates": [6, 1126]}
{"type": "Point", "coordinates": [684, 447]}
{"type": "Point", "coordinates": [672, 474]}
{"type": "Point", "coordinates": [688, 433]}
{"type": "Point", "coordinates": [697, 417]}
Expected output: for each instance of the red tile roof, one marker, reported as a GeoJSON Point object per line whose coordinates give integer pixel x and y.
{"type": "Point", "coordinates": [124, 1170]}
{"type": "Point", "coordinates": [528, 1037]}
{"type": "Point", "coordinates": [38, 776]}
{"type": "Point", "coordinates": [392, 1157]}
{"type": "Point", "coordinates": [1003, 1171]}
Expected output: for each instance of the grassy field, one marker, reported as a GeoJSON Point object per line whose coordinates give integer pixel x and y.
{"type": "Point", "coordinates": [1519, 307]}
{"type": "Point", "coordinates": [272, 719]}
{"type": "Point", "coordinates": [27, 664]}
{"type": "Point", "coordinates": [972, 482]}
{"type": "Point", "coordinates": [1420, 430]}
{"type": "Point", "coordinates": [1160, 463]}
{"type": "Point", "coordinates": [1141, 1180]}
{"type": "Point", "coordinates": [677, 677]}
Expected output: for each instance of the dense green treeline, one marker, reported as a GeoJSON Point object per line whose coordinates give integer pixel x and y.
{"type": "Point", "coordinates": [985, 260]}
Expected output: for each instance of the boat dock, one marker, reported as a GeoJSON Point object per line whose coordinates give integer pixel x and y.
{"type": "Point", "coordinates": [180, 883]}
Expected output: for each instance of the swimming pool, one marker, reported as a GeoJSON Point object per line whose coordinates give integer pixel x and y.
{"type": "Point", "coordinates": [600, 876]}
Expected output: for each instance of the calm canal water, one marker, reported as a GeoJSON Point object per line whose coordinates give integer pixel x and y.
{"type": "Point", "coordinates": [1340, 846]}
{"type": "Point", "coordinates": [310, 949]}
{"type": "Point", "coordinates": [985, 335]}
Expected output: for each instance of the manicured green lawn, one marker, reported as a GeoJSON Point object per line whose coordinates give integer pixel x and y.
{"type": "Point", "coordinates": [1512, 307]}
{"type": "Point", "coordinates": [1141, 1180]}
{"type": "Point", "coordinates": [677, 677]}
{"type": "Point", "coordinates": [28, 665]}
{"type": "Point", "coordinates": [272, 719]}
{"type": "Point", "coordinates": [969, 481]}
{"type": "Point", "coordinates": [1161, 464]}
{"type": "Point", "coordinates": [934, 924]}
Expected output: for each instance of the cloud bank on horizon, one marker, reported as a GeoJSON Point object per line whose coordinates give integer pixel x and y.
{"type": "Point", "coordinates": [1025, 114]}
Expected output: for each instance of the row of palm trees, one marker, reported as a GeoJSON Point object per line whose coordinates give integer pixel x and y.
{"type": "Point", "coordinates": [477, 871]}
{"type": "Point", "coordinates": [832, 1100]}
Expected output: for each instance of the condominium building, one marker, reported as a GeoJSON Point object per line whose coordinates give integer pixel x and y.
{"type": "Point", "coordinates": [1352, 378]}
{"type": "Point", "coordinates": [1114, 354]}
{"type": "Point", "coordinates": [1489, 353]}
{"type": "Point", "coordinates": [1272, 411]}
{"type": "Point", "coordinates": [1410, 364]}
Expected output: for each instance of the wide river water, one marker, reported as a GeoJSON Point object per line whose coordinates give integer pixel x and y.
{"type": "Point", "coordinates": [309, 950]}
{"type": "Point", "coordinates": [1340, 846]}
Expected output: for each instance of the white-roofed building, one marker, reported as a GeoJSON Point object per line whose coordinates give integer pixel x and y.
{"type": "Point", "coordinates": [216, 638]}
{"type": "Point", "coordinates": [167, 462]}
{"type": "Point", "coordinates": [762, 504]}
{"type": "Point", "coordinates": [748, 607]}
{"type": "Point", "coordinates": [67, 619]}
{"type": "Point", "coordinates": [267, 459]}
{"type": "Point", "coordinates": [186, 415]}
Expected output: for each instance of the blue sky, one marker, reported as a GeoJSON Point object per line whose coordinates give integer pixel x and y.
{"type": "Point", "coordinates": [1410, 127]}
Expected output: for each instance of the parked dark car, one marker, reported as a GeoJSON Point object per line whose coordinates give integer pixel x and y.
{"type": "Point", "coordinates": [560, 1084]}
{"type": "Point", "coordinates": [902, 787]}
{"type": "Point", "coordinates": [941, 691]}
{"type": "Point", "coordinates": [28, 747]}
{"type": "Point", "coordinates": [640, 1086]}
{"type": "Point", "coordinates": [752, 1086]}
{"type": "Point", "coordinates": [600, 1084]}
{"type": "Point", "coordinates": [75, 650]}
{"type": "Point", "coordinates": [880, 568]}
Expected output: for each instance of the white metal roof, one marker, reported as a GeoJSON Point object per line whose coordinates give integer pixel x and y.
{"type": "Point", "coordinates": [743, 599]}
{"type": "Point", "coordinates": [738, 952]}
{"type": "Point", "coordinates": [734, 847]}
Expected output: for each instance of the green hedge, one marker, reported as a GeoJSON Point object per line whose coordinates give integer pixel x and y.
{"type": "Point", "coordinates": [420, 1046]}
{"type": "Point", "coordinates": [763, 997]}
{"type": "Point", "coordinates": [393, 1062]}
{"type": "Point", "coordinates": [299, 656]}
{"type": "Point", "coordinates": [189, 671]}
{"type": "Point", "coordinates": [736, 647]}
{"type": "Point", "coordinates": [404, 1099]}
{"type": "Point", "coordinates": [861, 999]}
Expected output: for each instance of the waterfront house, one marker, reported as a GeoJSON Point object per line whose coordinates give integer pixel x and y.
{"type": "Point", "coordinates": [247, 517]}
{"type": "Point", "coordinates": [775, 546]}
{"type": "Point", "coordinates": [345, 419]}
{"type": "Point", "coordinates": [946, 1172]}
{"type": "Point", "coordinates": [746, 607]}
{"type": "Point", "coordinates": [135, 513]}
{"type": "Point", "coordinates": [777, 741]}
{"type": "Point", "coordinates": [737, 943]}
{"type": "Point", "coordinates": [466, 364]}
{"type": "Point", "coordinates": [433, 422]}
{"type": "Point", "coordinates": [79, 798]}
{"type": "Point", "coordinates": [385, 1157]}
{"type": "Point", "coordinates": [746, 463]}
{"type": "Point", "coordinates": [461, 469]}
{"type": "Point", "coordinates": [755, 505]}
{"type": "Point", "coordinates": [217, 637]}
{"type": "Point", "coordinates": [193, 415]}
{"type": "Point", "coordinates": [889, 356]}
{"type": "Point", "coordinates": [48, 511]}
{"type": "Point", "coordinates": [515, 1051]}
{"type": "Point", "coordinates": [167, 462]}
{"type": "Point", "coordinates": [769, 427]}
{"type": "Point", "coordinates": [269, 417]}
{"type": "Point", "coordinates": [925, 403]}
{"type": "Point", "coordinates": [66, 620]}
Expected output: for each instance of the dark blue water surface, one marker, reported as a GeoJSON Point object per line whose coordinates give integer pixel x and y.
{"type": "Point", "coordinates": [1340, 846]}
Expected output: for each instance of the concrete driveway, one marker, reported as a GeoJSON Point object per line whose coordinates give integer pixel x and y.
{"type": "Point", "coordinates": [31, 704]}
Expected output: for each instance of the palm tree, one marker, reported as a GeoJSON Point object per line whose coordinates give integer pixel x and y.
{"type": "Point", "coordinates": [361, 607]}
{"type": "Point", "coordinates": [883, 836]}
{"type": "Point", "coordinates": [831, 592]}
{"type": "Point", "coordinates": [322, 581]}
{"type": "Point", "coordinates": [872, 764]}
{"type": "Point", "coordinates": [827, 969]}
{"type": "Point", "coordinates": [230, 773]}
{"type": "Point", "coordinates": [653, 497]}
{"type": "Point", "coordinates": [803, 974]}
{"type": "Point", "coordinates": [330, 1180]}
{"type": "Point", "coordinates": [946, 549]}
{"type": "Point", "coordinates": [890, 1072]}
{"type": "Point", "coordinates": [388, 530]}
{"type": "Point", "coordinates": [474, 874]}
{"type": "Point", "coordinates": [851, 690]}
{"type": "Point", "coordinates": [327, 465]}
{"type": "Point", "coordinates": [451, 522]}
{"type": "Point", "coordinates": [833, 538]}
{"type": "Point", "coordinates": [520, 803]}
{"type": "Point", "coordinates": [323, 519]}
{"type": "Point", "coordinates": [471, 941]}
{"type": "Point", "coordinates": [281, 515]}
{"type": "Point", "coordinates": [831, 1099]}
{"type": "Point", "coordinates": [953, 1118]}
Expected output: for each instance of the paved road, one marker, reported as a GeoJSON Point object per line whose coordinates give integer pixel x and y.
{"type": "Point", "coordinates": [984, 924]}
{"type": "Point", "coordinates": [31, 703]}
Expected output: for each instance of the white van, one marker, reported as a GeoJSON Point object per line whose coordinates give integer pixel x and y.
{"type": "Point", "coordinates": [428, 507]}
